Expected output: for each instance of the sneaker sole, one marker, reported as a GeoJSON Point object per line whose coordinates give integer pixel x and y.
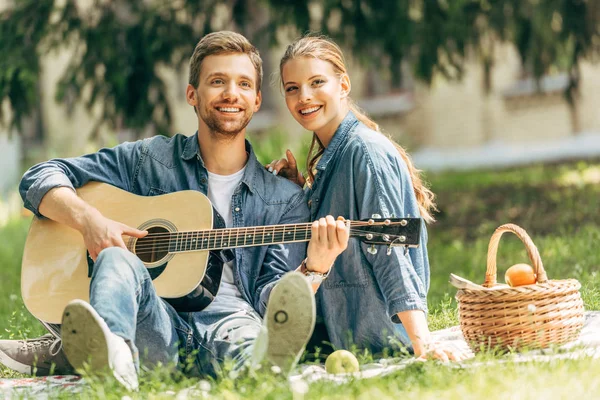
{"type": "Point", "coordinates": [84, 340]}
{"type": "Point", "coordinates": [290, 320]}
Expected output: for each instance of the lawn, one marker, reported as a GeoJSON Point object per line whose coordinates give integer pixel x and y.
{"type": "Point", "coordinates": [556, 204]}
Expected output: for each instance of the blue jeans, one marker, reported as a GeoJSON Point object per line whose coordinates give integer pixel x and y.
{"type": "Point", "coordinates": [121, 291]}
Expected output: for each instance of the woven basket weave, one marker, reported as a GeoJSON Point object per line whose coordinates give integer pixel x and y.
{"type": "Point", "coordinates": [512, 318]}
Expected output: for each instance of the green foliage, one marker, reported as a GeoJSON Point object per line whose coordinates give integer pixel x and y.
{"type": "Point", "coordinates": [271, 145]}
{"type": "Point", "coordinates": [116, 51]}
{"type": "Point", "coordinates": [22, 32]}
{"type": "Point", "coordinates": [435, 36]}
{"type": "Point", "coordinates": [119, 46]}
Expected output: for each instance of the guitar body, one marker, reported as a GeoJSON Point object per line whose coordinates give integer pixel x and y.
{"type": "Point", "coordinates": [56, 268]}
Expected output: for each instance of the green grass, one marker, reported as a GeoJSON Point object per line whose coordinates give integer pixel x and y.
{"type": "Point", "coordinates": [556, 204]}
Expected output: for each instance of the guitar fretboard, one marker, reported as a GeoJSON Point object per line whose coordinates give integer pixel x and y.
{"type": "Point", "coordinates": [216, 239]}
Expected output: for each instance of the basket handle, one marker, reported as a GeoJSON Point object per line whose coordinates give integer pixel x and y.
{"type": "Point", "coordinates": [532, 252]}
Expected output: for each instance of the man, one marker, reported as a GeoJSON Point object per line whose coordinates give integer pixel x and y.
{"type": "Point", "coordinates": [125, 321]}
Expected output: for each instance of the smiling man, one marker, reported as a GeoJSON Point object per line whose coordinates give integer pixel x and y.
{"type": "Point", "coordinates": [125, 322]}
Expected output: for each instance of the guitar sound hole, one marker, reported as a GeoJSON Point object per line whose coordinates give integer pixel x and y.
{"type": "Point", "coordinates": [153, 247]}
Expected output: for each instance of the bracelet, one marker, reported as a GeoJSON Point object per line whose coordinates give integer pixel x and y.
{"type": "Point", "coordinates": [304, 270]}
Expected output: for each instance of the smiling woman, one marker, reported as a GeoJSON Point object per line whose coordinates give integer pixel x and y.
{"type": "Point", "coordinates": [373, 299]}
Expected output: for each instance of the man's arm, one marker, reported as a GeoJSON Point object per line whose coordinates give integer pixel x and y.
{"type": "Point", "coordinates": [48, 189]}
{"type": "Point", "coordinates": [115, 166]}
{"type": "Point", "coordinates": [61, 204]}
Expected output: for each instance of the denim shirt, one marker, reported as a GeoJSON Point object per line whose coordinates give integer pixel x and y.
{"type": "Point", "coordinates": [360, 174]}
{"type": "Point", "coordinates": [162, 165]}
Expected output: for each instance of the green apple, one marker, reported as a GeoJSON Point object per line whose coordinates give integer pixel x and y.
{"type": "Point", "coordinates": [341, 362]}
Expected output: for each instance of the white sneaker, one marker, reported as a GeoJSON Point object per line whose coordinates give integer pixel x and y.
{"type": "Point", "coordinates": [87, 339]}
{"type": "Point", "coordinates": [289, 321]}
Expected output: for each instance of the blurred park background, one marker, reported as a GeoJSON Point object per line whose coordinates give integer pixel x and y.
{"type": "Point", "coordinates": [460, 83]}
{"type": "Point", "coordinates": [498, 101]}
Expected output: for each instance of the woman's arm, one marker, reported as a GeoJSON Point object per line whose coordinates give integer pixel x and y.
{"type": "Point", "coordinates": [415, 324]}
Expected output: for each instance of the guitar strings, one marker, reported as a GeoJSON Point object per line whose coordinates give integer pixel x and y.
{"type": "Point", "coordinates": [265, 229]}
{"type": "Point", "coordinates": [234, 234]}
{"type": "Point", "coordinates": [166, 244]}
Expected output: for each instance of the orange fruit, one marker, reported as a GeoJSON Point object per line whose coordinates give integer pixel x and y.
{"type": "Point", "coordinates": [520, 275]}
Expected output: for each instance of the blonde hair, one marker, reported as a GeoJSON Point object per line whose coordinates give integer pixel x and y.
{"type": "Point", "coordinates": [223, 42]}
{"type": "Point", "coordinates": [323, 48]}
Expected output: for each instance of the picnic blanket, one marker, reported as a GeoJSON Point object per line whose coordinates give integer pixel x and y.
{"type": "Point", "coordinates": [588, 345]}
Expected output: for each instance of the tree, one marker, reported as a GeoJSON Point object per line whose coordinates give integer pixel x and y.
{"type": "Point", "coordinates": [117, 49]}
{"type": "Point", "coordinates": [119, 45]}
{"type": "Point", "coordinates": [23, 30]}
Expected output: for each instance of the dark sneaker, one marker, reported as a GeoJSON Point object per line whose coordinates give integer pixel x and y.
{"type": "Point", "coordinates": [40, 356]}
{"type": "Point", "coordinates": [88, 340]}
{"type": "Point", "coordinates": [289, 321]}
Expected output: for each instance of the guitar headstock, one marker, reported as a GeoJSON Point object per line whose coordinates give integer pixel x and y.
{"type": "Point", "coordinates": [388, 231]}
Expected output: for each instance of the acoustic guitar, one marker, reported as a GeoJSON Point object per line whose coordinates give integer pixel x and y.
{"type": "Point", "coordinates": [183, 252]}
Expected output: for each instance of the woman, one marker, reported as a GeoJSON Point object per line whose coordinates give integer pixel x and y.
{"type": "Point", "coordinates": [369, 300]}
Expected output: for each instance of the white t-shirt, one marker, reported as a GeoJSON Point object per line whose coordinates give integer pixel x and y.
{"type": "Point", "coordinates": [220, 191]}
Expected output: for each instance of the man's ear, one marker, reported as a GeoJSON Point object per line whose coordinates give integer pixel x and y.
{"type": "Point", "coordinates": [258, 101]}
{"type": "Point", "coordinates": [191, 96]}
{"type": "Point", "coordinates": [346, 85]}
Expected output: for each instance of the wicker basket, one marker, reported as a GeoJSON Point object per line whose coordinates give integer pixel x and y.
{"type": "Point", "coordinates": [512, 318]}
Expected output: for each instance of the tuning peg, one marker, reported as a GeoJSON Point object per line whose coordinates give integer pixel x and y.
{"type": "Point", "coordinates": [372, 249]}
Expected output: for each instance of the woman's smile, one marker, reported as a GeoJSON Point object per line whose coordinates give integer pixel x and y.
{"type": "Point", "coordinates": [309, 112]}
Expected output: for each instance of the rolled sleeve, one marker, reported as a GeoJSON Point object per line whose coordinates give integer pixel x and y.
{"type": "Point", "coordinates": [38, 189]}
{"type": "Point", "coordinates": [115, 166]}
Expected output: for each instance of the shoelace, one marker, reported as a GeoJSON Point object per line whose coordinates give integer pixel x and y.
{"type": "Point", "coordinates": [54, 344]}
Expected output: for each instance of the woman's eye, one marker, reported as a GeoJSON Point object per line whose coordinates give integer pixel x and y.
{"type": "Point", "coordinates": [290, 89]}
{"type": "Point", "coordinates": [318, 82]}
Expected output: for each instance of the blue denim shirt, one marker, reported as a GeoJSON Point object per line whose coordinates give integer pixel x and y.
{"type": "Point", "coordinates": [163, 165]}
{"type": "Point", "coordinates": [360, 174]}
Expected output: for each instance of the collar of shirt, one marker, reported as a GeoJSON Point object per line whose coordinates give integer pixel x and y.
{"type": "Point", "coordinates": [339, 137]}
{"type": "Point", "coordinates": [192, 150]}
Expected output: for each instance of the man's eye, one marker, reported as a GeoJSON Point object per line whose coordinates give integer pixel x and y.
{"type": "Point", "coordinates": [246, 84]}
{"type": "Point", "coordinates": [217, 81]}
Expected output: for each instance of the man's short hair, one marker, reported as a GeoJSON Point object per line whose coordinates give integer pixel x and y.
{"type": "Point", "coordinates": [223, 42]}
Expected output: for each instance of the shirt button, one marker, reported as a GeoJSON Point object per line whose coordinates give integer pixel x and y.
{"type": "Point", "coordinates": [203, 180]}
{"type": "Point", "coordinates": [237, 209]}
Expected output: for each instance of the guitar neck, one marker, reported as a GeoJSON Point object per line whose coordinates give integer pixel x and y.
{"type": "Point", "coordinates": [389, 232]}
{"type": "Point", "coordinates": [218, 239]}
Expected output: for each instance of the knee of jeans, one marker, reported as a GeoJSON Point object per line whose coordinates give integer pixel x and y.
{"type": "Point", "coordinates": [122, 262]}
